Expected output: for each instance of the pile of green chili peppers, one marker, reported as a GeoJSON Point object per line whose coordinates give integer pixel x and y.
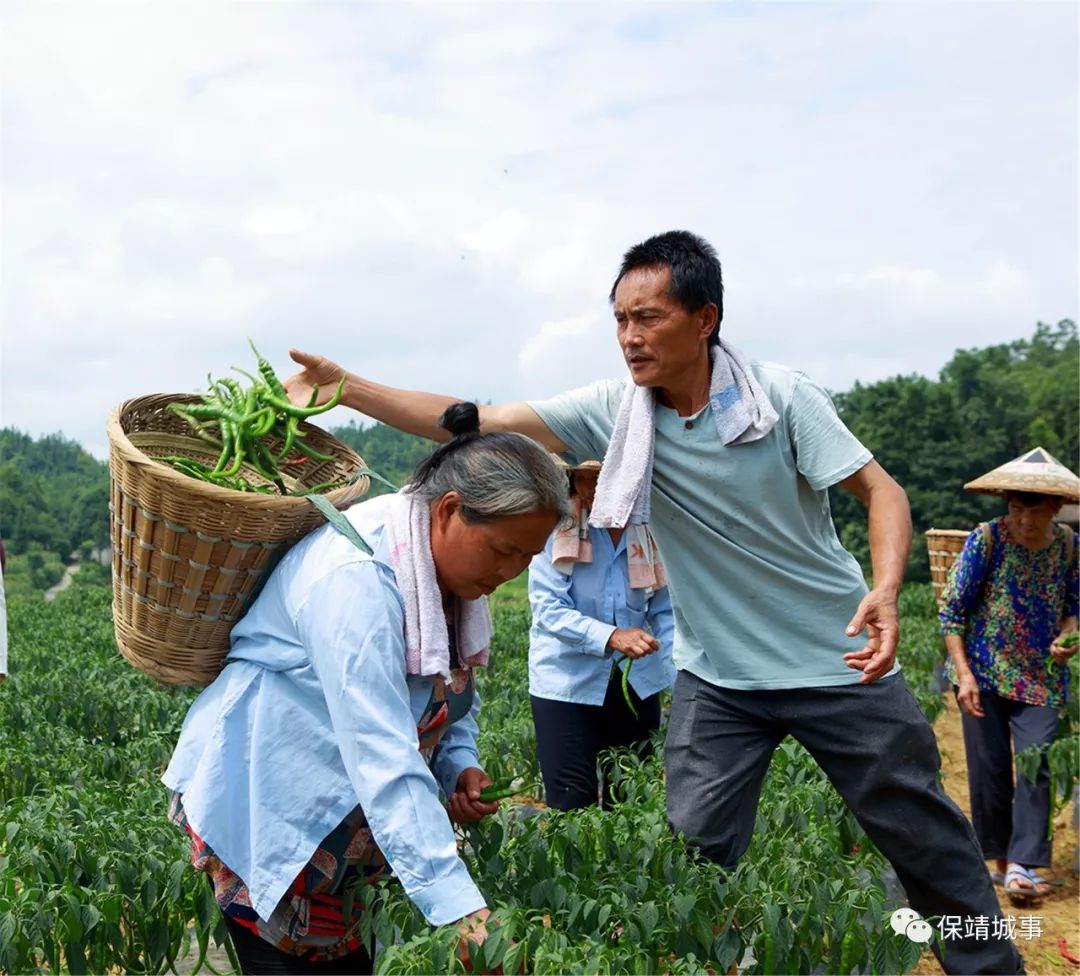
{"type": "Point", "coordinates": [240, 422]}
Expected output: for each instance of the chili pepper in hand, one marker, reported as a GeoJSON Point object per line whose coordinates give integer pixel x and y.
{"type": "Point", "coordinates": [290, 408]}
{"type": "Point", "coordinates": [626, 686]}
{"type": "Point", "coordinates": [497, 791]}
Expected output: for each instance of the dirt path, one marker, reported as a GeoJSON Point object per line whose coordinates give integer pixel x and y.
{"type": "Point", "coordinates": [1059, 914]}
{"type": "Point", "coordinates": [65, 582]}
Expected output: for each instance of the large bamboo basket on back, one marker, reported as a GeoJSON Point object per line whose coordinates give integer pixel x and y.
{"type": "Point", "coordinates": [942, 548]}
{"type": "Point", "coordinates": [188, 555]}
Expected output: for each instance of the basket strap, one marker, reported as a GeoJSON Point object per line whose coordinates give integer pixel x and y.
{"type": "Point", "coordinates": [338, 521]}
{"type": "Point", "coordinates": [361, 472]}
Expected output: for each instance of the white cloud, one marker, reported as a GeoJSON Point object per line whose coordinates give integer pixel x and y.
{"type": "Point", "coordinates": [555, 341]}
{"type": "Point", "coordinates": [439, 195]}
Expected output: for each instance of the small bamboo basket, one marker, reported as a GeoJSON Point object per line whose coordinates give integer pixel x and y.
{"type": "Point", "coordinates": [942, 548]}
{"type": "Point", "coordinates": [188, 555]}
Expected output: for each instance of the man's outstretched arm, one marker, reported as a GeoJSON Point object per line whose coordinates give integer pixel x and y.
{"type": "Point", "coordinates": [409, 410]}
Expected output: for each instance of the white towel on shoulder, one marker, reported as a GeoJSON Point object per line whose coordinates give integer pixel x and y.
{"type": "Point", "coordinates": [571, 545]}
{"type": "Point", "coordinates": [741, 411]}
{"type": "Point", "coordinates": [427, 639]}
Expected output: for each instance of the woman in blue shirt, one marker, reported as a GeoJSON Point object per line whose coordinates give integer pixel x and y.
{"type": "Point", "coordinates": [599, 604]}
{"type": "Point", "coordinates": [348, 703]}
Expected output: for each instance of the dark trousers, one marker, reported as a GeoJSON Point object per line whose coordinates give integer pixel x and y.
{"type": "Point", "coordinates": [1009, 822]}
{"type": "Point", "coordinates": [570, 737]}
{"type": "Point", "coordinates": [878, 750]}
{"type": "Point", "coordinates": [257, 956]}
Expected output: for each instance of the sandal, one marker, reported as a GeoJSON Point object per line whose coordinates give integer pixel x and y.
{"type": "Point", "coordinates": [997, 878]}
{"type": "Point", "coordinates": [1024, 885]}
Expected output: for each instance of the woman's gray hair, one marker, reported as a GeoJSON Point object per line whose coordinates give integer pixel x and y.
{"type": "Point", "coordinates": [494, 475]}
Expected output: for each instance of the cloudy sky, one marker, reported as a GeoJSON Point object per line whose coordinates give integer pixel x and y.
{"type": "Point", "coordinates": [437, 196]}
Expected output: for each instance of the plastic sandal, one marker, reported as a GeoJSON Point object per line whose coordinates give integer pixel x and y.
{"type": "Point", "coordinates": [1024, 885]}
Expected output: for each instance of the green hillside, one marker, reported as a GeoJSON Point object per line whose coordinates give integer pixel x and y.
{"type": "Point", "coordinates": [986, 406]}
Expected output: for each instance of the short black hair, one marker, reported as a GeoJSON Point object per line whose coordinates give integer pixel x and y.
{"type": "Point", "coordinates": [696, 278]}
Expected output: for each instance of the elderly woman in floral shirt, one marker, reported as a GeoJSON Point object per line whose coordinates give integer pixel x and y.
{"type": "Point", "coordinates": [1010, 601]}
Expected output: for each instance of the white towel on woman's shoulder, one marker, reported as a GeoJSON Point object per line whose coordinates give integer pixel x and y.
{"type": "Point", "coordinates": [427, 638]}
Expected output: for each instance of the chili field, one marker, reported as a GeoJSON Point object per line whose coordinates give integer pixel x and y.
{"type": "Point", "coordinates": [93, 878]}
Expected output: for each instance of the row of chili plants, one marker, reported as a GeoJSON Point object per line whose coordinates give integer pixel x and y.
{"type": "Point", "coordinates": [94, 878]}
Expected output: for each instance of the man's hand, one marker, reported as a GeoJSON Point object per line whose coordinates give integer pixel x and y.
{"type": "Point", "coordinates": [466, 806]}
{"type": "Point", "coordinates": [1064, 646]}
{"type": "Point", "coordinates": [633, 642]}
{"type": "Point", "coordinates": [876, 616]}
{"type": "Point", "coordinates": [318, 371]}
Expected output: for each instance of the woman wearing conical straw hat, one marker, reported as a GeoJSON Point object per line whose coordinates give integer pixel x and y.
{"type": "Point", "coordinates": [1010, 605]}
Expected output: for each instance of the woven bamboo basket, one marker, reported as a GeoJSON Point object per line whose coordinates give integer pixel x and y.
{"type": "Point", "coordinates": [188, 555]}
{"type": "Point", "coordinates": [942, 548]}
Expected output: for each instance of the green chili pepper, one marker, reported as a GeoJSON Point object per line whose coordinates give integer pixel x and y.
{"type": "Point", "coordinates": [290, 408]}
{"type": "Point", "coordinates": [626, 686]}
{"type": "Point", "coordinates": [205, 411]}
{"type": "Point", "coordinates": [315, 489]}
{"type": "Point", "coordinates": [848, 952]}
{"type": "Point", "coordinates": [768, 964]}
{"type": "Point", "coordinates": [226, 449]}
{"type": "Point", "coordinates": [241, 419]}
{"type": "Point", "coordinates": [291, 427]}
{"type": "Point", "coordinates": [263, 422]}
{"type": "Point", "coordinates": [266, 371]}
{"type": "Point", "coordinates": [239, 450]}
{"type": "Point", "coordinates": [310, 451]}
{"type": "Point", "coordinates": [497, 791]}
{"type": "Point", "coordinates": [262, 461]}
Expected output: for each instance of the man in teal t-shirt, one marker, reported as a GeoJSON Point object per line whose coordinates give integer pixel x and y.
{"type": "Point", "coordinates": [769, 608]}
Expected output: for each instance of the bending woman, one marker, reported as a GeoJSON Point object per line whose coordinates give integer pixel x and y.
{"type": "Point", "coordinates": [348, 703]}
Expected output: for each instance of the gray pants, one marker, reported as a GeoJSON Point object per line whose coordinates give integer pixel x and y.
{"type": "Point", "coordinates": [1009, 823]}
{"type": "Point", "coordinates": [878, 750]}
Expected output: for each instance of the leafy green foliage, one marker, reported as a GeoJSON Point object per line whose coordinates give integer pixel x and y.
{"type": "Point", "coordinates": [616, 892]}
{"type": "Point", "coordinates": [92, 875]}
{"type": "Point", "coordinates": [986, 407]}
{"type": "Point", "coordinates": [392, 453]}
{"type": "Point", "coordinates": [32, 571]}
{"type": "Point", "coordinates": [94, 878]}
{"type": "Point", "coordinates": [53, 495]}
{"type": "Point", "coordinates": [1061, 755]}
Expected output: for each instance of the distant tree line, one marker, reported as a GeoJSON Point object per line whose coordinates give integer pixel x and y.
{"type": "Point", "coordinates": [986, 406]}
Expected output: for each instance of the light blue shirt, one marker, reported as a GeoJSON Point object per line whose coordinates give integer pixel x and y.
{"type": "Point", "coordinates": [574, 616]}
{"type": "Point", "coordinates": [761, 586]}
{"type": "Point", "coordinates": [314, 714]}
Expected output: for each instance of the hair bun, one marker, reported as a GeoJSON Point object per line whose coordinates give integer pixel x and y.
{"type": "Point", "coordinates": [461, 418]}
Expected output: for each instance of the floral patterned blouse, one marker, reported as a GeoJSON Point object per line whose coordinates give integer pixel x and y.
{"type": "Point", "coordinates": [1009, 610]}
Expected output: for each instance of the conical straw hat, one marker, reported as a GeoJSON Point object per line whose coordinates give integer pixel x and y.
{"type": "Point", "coordinates": [1036, 471]}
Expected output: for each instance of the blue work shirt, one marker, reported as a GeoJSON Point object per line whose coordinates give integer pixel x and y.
{"type": "Point", "coordinates": [315, 713]}
{"type": "Point", "coordinates": [574, 616]}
